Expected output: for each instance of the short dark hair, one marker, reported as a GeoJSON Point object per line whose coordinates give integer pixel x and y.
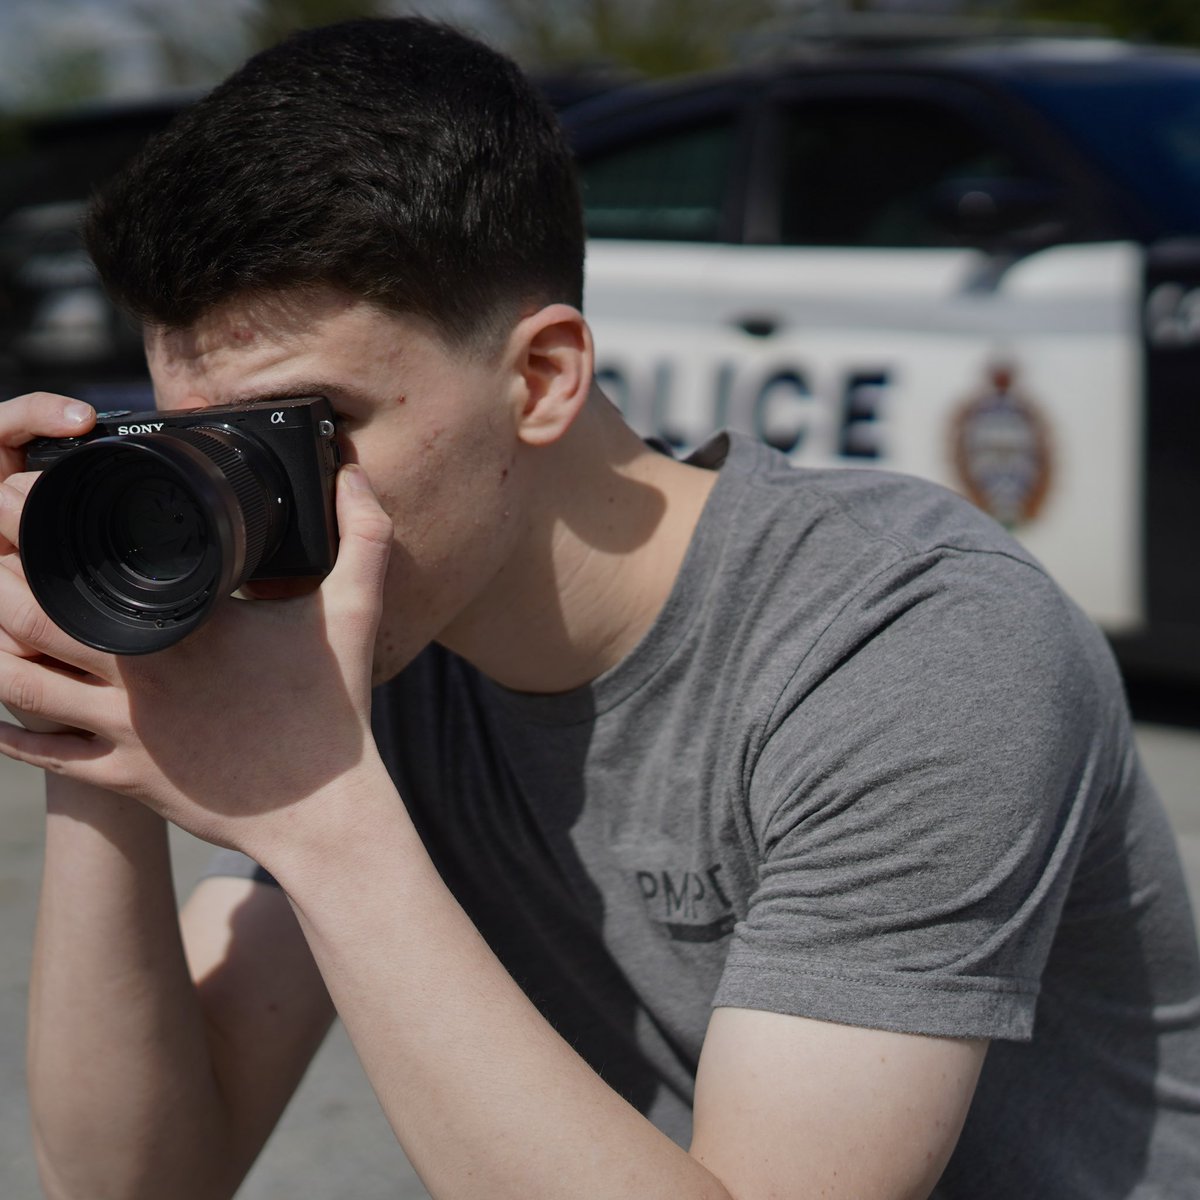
{"type": "Point", "coordinates": [396, 159]}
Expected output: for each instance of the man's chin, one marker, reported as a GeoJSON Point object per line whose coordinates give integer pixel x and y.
{"type": "Point", "coordinates": [277, 589]}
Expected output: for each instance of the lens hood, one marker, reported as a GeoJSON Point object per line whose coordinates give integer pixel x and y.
{"type": "Point", "coordinates": [128, 542]}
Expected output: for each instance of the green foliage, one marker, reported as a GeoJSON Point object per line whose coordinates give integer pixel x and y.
{"type": "Point", "coordinates": [1170, 22]}
{"type": "Point", "coordinates": [259, 26]}
{"type": "Point", "coordinates": [654, 37]}
{"type": "Point", "coordinates": [65, 79]}
{"type": "Point", "coordinates": [275, 19]}
{"type": "Point", "coordinates": [665, 37]}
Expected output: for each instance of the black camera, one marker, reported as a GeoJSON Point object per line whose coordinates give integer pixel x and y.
{"type": "Point", "coordinates": [136, 529]}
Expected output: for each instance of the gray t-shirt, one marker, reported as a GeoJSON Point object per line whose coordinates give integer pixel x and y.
{"type": "Point", "coordinates": [870, 766]}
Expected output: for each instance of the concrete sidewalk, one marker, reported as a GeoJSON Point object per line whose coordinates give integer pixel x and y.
{"type": "Point", "coordinates": [333, 1140]}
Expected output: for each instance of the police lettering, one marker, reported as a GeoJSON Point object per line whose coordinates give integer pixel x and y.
{"type": "Point", "coordinates": [775, 402]}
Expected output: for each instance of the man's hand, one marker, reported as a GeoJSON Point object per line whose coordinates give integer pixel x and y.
{"type": "Point", "coordinates": [38, 414]}
{"type": "Point", "coordinates": [22, 419]}
{"type": "Point", "coordinates": [242, 721]}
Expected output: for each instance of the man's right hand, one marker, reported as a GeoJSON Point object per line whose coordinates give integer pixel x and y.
{"type": "Point", "coordinates": [22, 419]}
{"type": "Point", "coordinates": [34, 415]}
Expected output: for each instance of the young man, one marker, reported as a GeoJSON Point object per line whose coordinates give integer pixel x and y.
{"type": "Point", "coordinates": [717, 816]}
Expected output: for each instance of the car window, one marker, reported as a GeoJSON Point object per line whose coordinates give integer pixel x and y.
{"type": "Point", "coordinates": [671, 186]}
{"type": "Point", "coordinates": [865, 172]}
{"type": "Point", "coordinates": [1144, 129]}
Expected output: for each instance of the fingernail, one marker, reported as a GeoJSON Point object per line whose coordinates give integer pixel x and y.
{"type": "Point", "coordinates": [77, 412]}
{"type": "Point", "coordinates": [354, 477]}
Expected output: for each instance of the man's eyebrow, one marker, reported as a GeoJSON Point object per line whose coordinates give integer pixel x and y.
{"type": "Point", "coordinates": [305, 387]}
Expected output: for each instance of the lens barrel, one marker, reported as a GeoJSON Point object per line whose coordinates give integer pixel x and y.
{"type": "Point", "coordinates": [128, 542]}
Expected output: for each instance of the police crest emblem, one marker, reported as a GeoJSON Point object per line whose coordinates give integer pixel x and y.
{"type": "Point", "coordinates": [1001, 449]}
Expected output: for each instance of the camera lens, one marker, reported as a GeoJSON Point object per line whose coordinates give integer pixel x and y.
{"type": "Point", "coordinates": [156, 531]}
{"type": "Point", "coordinates": [128, 542]}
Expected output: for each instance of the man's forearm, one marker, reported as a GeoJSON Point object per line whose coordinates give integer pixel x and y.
{"type": "Point", "coordinates": [121, 1084]}
{"type": "Point", "coordinates": [486, 1099]}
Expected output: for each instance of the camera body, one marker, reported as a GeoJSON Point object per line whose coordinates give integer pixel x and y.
{"type": "Point", "coordinates": [300, 435]}
{"type": "Point", "coordinates": [135, 529]}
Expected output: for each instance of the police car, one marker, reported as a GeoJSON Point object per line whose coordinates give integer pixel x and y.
{"type": "Point", "coordinates": [979, 263]}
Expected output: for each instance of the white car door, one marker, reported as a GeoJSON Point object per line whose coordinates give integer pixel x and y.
{"type": "Point", "coordinates": [860, 338]}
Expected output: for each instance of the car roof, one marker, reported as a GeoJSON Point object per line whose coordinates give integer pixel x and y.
{"type": "Point", "coordinates": [998, 60]}
{"type": "Point", "coordinates": [1096, 58]}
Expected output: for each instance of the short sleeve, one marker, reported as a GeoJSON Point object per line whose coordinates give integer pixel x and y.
{"type": "Point", "coordinates": [920, 798]}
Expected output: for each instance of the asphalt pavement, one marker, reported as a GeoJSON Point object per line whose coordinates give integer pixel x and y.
{"type": "Point", "coordinates": [333, 1140]}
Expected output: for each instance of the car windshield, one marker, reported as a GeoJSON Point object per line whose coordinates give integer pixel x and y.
{"type": "Point", "coordinates": [1143, 129]}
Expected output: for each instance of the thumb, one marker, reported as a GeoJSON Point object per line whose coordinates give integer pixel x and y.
{"type": "Point", "coordinates": [365, 533]}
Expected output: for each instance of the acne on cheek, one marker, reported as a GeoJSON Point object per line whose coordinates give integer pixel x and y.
{"type": "Point", "coordinates": [512, 462]}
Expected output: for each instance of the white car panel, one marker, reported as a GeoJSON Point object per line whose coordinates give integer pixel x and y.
{"type": "Point", "coordinates": [1017, 386]}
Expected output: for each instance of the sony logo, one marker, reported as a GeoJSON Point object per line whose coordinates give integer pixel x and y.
{"type": "Point", "coordinates": [122, 429]}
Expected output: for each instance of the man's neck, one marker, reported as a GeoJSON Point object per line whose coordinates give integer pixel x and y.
{"type": "Point", "coordinates": [610, 522]}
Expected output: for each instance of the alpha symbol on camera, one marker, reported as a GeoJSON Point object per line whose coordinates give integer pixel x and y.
{"type": "Point", "coordinates": [277, 418]}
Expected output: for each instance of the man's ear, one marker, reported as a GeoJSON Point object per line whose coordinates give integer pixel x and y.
{"type": "Point", "coordinates": [552, 359]}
